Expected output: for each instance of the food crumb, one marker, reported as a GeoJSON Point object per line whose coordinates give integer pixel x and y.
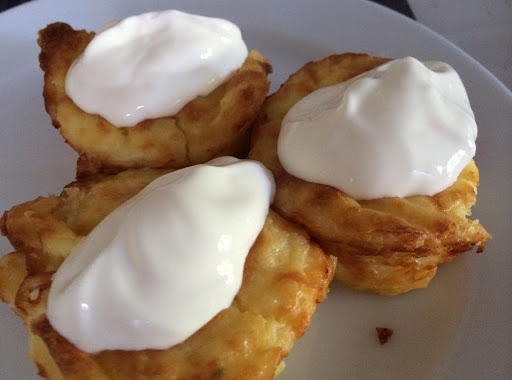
{"type": "Point", "coordinates": [384, 333]}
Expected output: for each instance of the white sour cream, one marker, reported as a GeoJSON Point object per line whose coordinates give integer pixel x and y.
{"type": "Point", "coordinates": [164, 263]}
{"type": "Point", "coordinates": [152, 65]}
{"type": "Point", "coordinates": [405, 128]}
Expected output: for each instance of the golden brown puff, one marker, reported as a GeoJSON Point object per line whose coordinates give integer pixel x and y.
{"type": "Point", "coordinates": [207, 127]}
{"type": "Point", "coordinates": [386, 245]}
{"type": "Point", "coordinates": [285, 277]}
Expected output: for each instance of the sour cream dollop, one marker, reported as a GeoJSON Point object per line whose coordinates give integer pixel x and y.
{"type": "Point", "coordinates": [152, 65]}
{"type": "Point", "coordinates": [164, 263]}
{"type": "Point", "coordinates": [405, 128]}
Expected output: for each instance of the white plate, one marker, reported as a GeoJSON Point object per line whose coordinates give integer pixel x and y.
{"type": "Point", "coordinates": [460, 327]}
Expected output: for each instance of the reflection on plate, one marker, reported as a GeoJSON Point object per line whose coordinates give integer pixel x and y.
{"type": "Point", "coordinates": [458, 327]}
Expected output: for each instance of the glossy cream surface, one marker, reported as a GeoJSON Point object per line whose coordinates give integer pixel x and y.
{"type": "Point", "coordinates": [164, 263]}
{"type": "Point", "coordinates": [404, 128]}
{"type": "Point", "coordinates": [152, 65]}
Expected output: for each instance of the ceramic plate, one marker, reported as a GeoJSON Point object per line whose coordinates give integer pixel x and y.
{"type": "Point", "coordinates": [459, 327]}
